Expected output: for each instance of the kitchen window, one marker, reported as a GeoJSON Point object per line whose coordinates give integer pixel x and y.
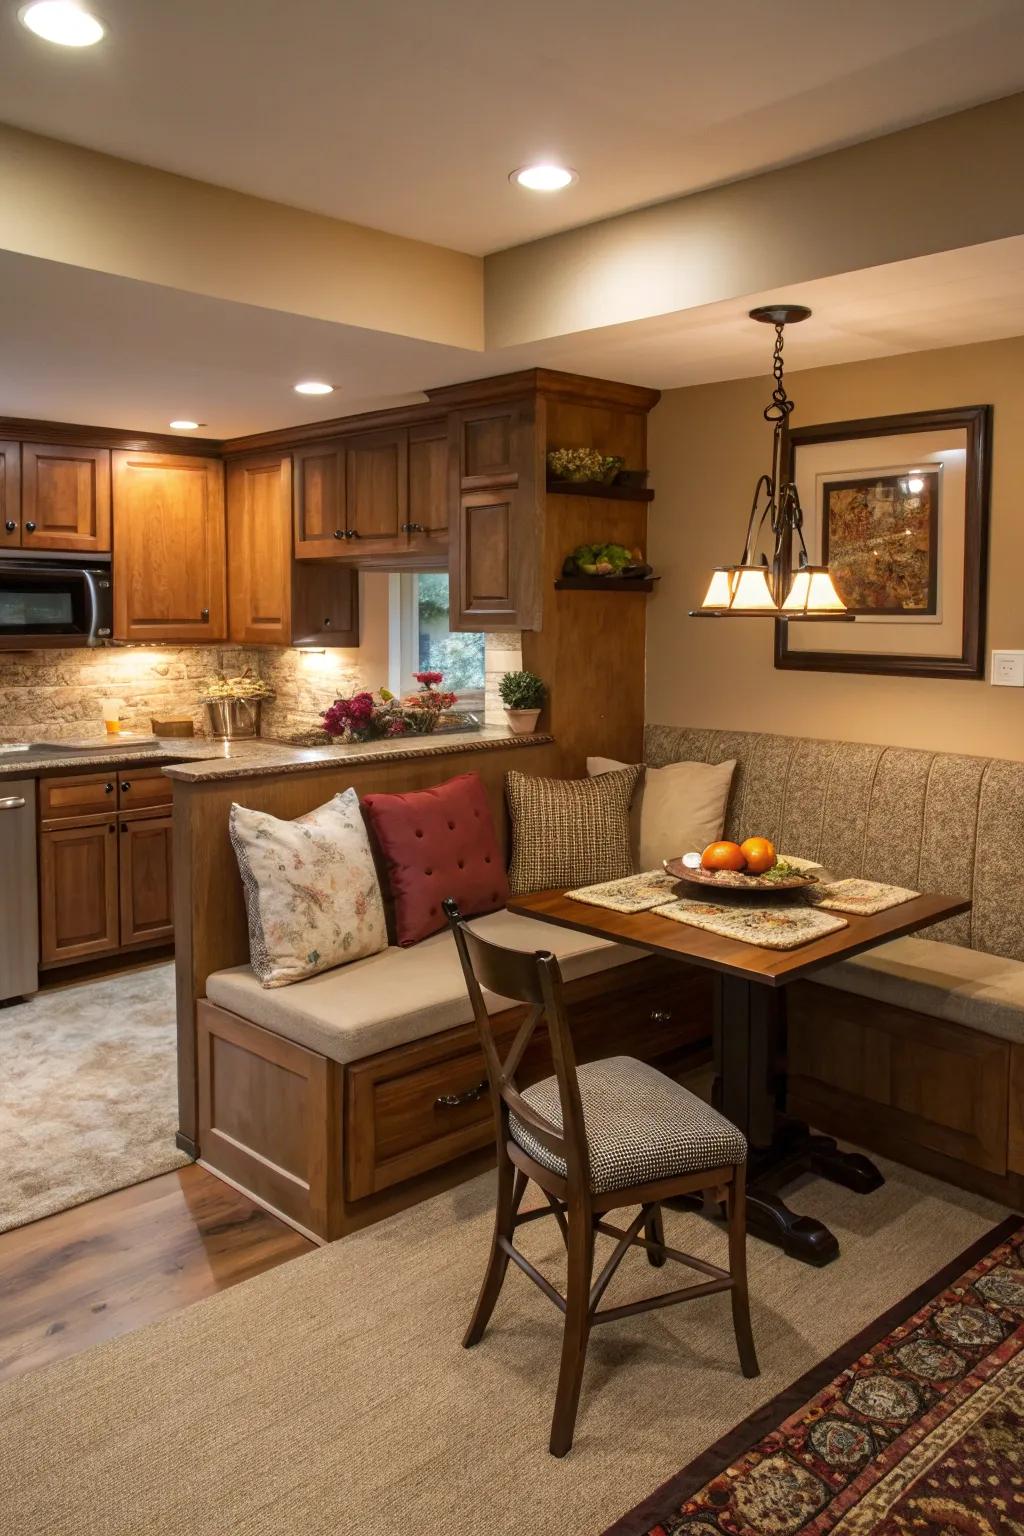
{"type": "Point", "coordinates": [419, 639]}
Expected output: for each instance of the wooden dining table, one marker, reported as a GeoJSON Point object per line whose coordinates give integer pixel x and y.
{"type": "Point", "coordinates": [749, 1041]}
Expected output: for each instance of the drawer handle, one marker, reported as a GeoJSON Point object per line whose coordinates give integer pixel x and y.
{"type": "Point", "coordinates": [339, 533]}
{"type": "Point", "coordinates": [661, 1015]}
{"type": "Point", "coordinates": [204, 614]}
{"type": "Point", "coordinates": [455, 1100]}
{"type": "Point", "coordinates": [12, 802]}
{"type": "Point", "coordinates": [10, 525]}
{"type": "Point", "coordinates": [413, 528]}
{"type": "Point", "coordinates": [126, 785]}
{"type": "Point", "coordinates": [108, 789]}
{"type": "Point", "coordinates": [30, 527]}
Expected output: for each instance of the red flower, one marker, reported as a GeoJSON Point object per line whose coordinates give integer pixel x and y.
{"type": "Point", "coordinates": [428, 678]}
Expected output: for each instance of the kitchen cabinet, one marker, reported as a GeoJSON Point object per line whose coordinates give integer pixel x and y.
{"type": "Point", "coordinates": [372, 496]}
{"type": "Point", "coordinates": [274, 599]}
{"type": "Point", "coordinates": [145, 877]}
{"type": "Point", "coordinates": [78, 891]}
{"type": "Point", "coordinates": [105, 863]}
{"type": "Point", "coordinates": [494, 573]}
{"type": "Point", "coordinates": [10, 495]}
{"type": "Point", "coordinates": [490, 444]}
{"type": "Point", "coordinates": [170, 572]}
{"type": "Point", "coordinates": [65, 499]}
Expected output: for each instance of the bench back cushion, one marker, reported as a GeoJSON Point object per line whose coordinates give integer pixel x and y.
{"type": "Point", "coordinates": [933, 821]}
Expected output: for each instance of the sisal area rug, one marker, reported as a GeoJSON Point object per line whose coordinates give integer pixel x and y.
{"type": "Point", "coordinates": [331, 1396]}
{"type": "Point", "coordinates": [915, 1426]}
{"type": "Point", "coordinates": [89, 1092]}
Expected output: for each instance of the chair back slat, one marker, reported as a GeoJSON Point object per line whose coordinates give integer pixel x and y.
{"type": "Point", "coordinates": [534, 979]}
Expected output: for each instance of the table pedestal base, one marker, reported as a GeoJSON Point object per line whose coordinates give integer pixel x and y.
{"type": "Point", "coordinates": [750, 1088]}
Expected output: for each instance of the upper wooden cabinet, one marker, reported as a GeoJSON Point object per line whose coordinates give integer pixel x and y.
{"type": "Point", "coordinates": [490, 445]}
{"type": "Point", "coordinates": [65, 498]}
{"type": "Point", "coordinates": [275, 600]}
{"type": "Point", "coordinates": [170, 580]}
{"type": "Point", "coordinates": [494, 558]}
{"type": "Point", "coordinates": [10, 495]}
{"type": "Point", "coordinates": [320, 501]}
{"type": "Point", "coordinates": [373, 496]}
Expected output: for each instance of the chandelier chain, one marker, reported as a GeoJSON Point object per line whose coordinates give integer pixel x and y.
{"type": "Point", "coordinates": [781, 404]}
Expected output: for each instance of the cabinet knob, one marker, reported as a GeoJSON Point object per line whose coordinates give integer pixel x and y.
{"type": "Point", "coordinates": [352, 533]}
{"type": "Point", "coordinates": [10, 525]}
{"type": "Point", "coordinates": [413, 528]}
{"type": "Point", "coordinates": [339, 533]}
{"type": "Point", "coordinates": [660, 1015]}
{"type": "Point", "coordinates": [326, 624]}
{"type": "Point", "coordinates": [30, 527]}
{"type": "Point", "coordinates": [108, 789]}
{"type": "Point", "coordinates": [111, 829]}
{"type": "Point", "coordinates": [204, 614]}
{"type": "Point", "coordinates": [126, 785]}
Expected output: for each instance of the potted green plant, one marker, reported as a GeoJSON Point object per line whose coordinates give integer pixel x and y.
{"type": "Point", "coordinates": [523, 695]}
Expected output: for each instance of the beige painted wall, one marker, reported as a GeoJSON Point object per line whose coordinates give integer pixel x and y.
{"type": "Point", "coordinates": [708, 444]}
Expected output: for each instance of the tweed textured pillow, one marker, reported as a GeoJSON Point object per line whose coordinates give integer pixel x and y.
{"type": "Point", "coordinates": [311, 891]}
{"type": "Point", "coordinates": [569, 832]}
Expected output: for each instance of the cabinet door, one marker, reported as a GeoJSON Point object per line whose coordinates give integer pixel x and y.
{"type": "Point", "coordinates": [65, 497]}
{"type": "Point", "coordinates": [377, 493]}
{"type": "Point", "coordinates": [428, 490]}
{"type": "Point", "coordinates": [259, 519]}
{"type": "Point", "coordinates": [492, 570]}
{"type": "Point", "coordinates": [325, 604]}
{"type": "Point", "coordinates": [10, 495]}
{"type": "Point", "coordinates": [78, 891]}
{"type": "Point", "coordinates": [170, 581]}
{"type": "Point", "coordinates": [147, 902]}
{"type": "Point", "coordinates": [320, 501]}
{"type": "Point", "coordinates": [490, 442]}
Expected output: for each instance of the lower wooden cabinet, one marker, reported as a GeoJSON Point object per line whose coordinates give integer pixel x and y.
{"type": "Point", "coordinates": [78, 892]}
{"type": "Point", "coordinates": [146, 880]}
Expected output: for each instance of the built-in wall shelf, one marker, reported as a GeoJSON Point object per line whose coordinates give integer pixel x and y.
{"type": "Point", "coordinates": [606, 583]}
{"type": "Point", "coordinates": [598, 490]}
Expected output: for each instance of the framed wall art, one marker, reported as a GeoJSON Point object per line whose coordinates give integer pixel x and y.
{"type": "Point", "coordinates": [897, 506]}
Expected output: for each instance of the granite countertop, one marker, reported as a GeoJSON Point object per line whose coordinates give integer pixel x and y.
{"type": "Point", "coordinates": [247, 759]}
{"type": "Point", "coordinates": [197, 758]}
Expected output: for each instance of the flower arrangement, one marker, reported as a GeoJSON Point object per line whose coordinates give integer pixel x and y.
{"type": "Point", "coordinates": [376, 716]}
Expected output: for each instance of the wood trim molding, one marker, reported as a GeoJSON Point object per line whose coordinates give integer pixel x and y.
{"type": "Point", "coordinates": [75, 435]}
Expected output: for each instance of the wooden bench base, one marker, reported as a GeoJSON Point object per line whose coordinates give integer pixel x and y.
{"type": "Point", "coordinates": [937, 1096]}
{"type": "Point", "coordinates": [333, 1148]}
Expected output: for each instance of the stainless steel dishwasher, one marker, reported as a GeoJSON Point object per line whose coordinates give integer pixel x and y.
{"type": "Point", "coordinates": [19, 904]}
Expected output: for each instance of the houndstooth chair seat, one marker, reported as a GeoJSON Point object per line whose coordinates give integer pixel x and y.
{"type": "Point", "coordinates": [640, 1126]}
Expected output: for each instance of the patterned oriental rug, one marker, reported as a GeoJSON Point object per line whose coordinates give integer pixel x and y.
{"type": "Point", "coordinates": [913, 1428]}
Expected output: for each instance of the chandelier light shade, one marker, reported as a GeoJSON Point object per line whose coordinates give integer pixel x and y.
{"type": "Point", "coordinates": [787, 587]}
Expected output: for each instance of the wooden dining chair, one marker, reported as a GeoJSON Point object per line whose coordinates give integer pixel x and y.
{"type": "Point", "coordinates": [596, 1138]}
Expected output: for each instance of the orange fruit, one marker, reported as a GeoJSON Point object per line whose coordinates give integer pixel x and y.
{"type": "Point", "coordinates": [760, 855]}
{"type": "Point", "coordinates": [723, 856]}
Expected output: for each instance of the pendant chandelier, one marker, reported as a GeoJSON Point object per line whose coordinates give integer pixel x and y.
{"type": "Point", "coordinates": [779, 589]}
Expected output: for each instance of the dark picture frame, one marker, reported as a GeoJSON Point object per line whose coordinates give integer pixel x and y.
{"type": "Point", "coordinates": [976, 422]}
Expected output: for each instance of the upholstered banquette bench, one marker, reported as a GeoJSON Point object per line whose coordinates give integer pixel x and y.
{"type": "Point", "coordinates": [916, 1048]}
{"type": "Point", "coordinates": [359, 1090]}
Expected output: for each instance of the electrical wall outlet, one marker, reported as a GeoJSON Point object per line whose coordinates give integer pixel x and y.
{"type": "Point", "coordinates": [1007, 669]}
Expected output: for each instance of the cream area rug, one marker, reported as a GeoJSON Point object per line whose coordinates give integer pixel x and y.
{"type": "Point", "coordinates": [331, 1396]}
{"type": "Point", "coordinates": [88, 1101]}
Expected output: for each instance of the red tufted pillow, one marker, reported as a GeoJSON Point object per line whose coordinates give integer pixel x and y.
{"type": "Point", "coordinates": [437, 843]}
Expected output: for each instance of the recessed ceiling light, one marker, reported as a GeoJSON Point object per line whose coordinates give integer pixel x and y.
{"type": "Point", "coordinates": [185, 426]}
{"type": "Point", "coordinates": [314, 387]}
{"type": "Point", "coordinates": [60, 21]}
{"type": "Point", "coordinates": [544, 178]}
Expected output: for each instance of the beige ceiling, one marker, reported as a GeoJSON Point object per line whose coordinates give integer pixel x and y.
{"type": "Point", "coordinates": [408, 117]}
{"type": "Point", "coordinates": [90, 347]}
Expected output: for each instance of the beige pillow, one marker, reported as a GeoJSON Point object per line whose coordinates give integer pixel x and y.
{"type": "Point", "coordinates": [311, 890]}
{"type": "Point", "coordinates": [569, 832]}
{"type": "Point", "coordinates": [676, 809]}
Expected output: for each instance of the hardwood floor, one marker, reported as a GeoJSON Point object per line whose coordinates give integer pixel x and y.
{"type": "Point", "coordinates": [113, 1264]}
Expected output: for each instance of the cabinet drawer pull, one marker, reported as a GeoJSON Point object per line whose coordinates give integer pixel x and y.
{"type": "Point", "coordinates": [661, 1015]}
{"type": "Point", "coordinates": [126, 785]}
{"type": "Point", "coordinates": [10, 525]}
{"type": "Point", "coordinates": [339, 533]}
{"type": "Point", "coordinates": [108, 788]}
{"type": "Point", "coordinates": [454, 1100]}
{"type": "Point", "coordinates": [204, 614]}
{"type": "Point", "coordinates": [413, 528]}
{"type": "Point", "coordinates": [326, 624]}
{"type": "Point", "coordinates": [12, 802]}
{"type": "Point", "coordinates": [352, 533]}
{"type": "Point", "coordinates": [30, 527]}
{"type": "Point", "coordinates": [112, 829]}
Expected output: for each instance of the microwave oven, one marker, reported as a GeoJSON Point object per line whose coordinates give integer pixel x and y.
{"type": "Point", "coordinates": [54, 603]}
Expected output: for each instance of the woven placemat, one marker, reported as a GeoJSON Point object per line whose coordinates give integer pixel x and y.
{"type": "Point", "coordinates": [635, 893]}
{"type": "Point", "coordinates": [772, 927]}
{"type": "Point", "coordinates": [861, 897]}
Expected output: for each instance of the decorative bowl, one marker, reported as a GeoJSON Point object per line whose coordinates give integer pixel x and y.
{"type": "Point", "coordinates": [734, 883]}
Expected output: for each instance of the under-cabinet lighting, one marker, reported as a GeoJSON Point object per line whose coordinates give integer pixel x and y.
{"type": "Point", "coordinates": [60, 21]}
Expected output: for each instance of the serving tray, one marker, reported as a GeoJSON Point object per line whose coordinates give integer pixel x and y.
{"type": "Point", "coordinates": [735, 882]}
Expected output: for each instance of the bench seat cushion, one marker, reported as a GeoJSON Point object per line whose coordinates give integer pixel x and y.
{"type": "Point", "coordinates": [947, 981]}
{"type": "Point", "coordinates": [400, 995]}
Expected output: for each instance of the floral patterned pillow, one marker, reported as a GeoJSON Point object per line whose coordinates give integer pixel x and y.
{"type": "Point", "coordinates": [311, 890]}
